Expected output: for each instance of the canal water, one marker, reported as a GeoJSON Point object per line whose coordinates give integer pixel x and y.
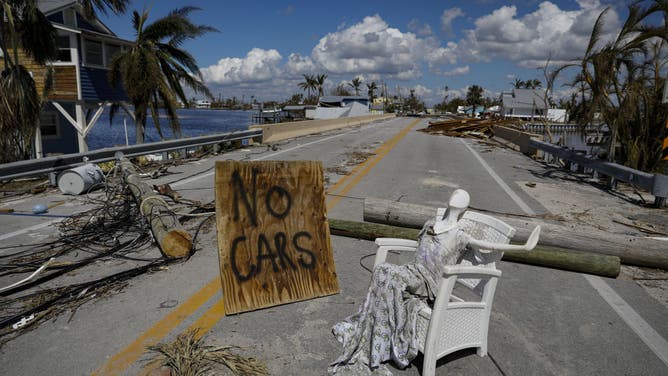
{"type": "Point", "coordinates": [193, 123]}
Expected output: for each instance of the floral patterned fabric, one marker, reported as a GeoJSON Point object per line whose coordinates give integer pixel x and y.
{"type": "Point", "coordinates": [383, 328]}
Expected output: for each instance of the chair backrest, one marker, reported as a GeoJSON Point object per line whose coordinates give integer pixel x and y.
{"type": "Point", "coordinates": [483, 227]}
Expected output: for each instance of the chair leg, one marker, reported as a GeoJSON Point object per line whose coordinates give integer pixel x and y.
{"type": "Point", "coordinates": [429, 363]}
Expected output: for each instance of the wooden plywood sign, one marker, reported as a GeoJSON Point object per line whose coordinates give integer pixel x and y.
{"type": "Point", "coordinates": [273, 235]}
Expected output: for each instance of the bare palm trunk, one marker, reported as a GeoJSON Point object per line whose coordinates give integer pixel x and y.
{"type": "Point", "coordinates": [140, 123]}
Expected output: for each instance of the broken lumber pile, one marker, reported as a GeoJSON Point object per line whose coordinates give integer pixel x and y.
{"type": "Point", "coordinates": [632, 250]}
{"type": "Point", "coordinates": [551, 257]}
{"type": "Point", "coordinates": [470, 128]}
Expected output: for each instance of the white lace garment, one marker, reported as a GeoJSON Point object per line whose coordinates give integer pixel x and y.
{"type": "Point", "coordinates": [383, 328]}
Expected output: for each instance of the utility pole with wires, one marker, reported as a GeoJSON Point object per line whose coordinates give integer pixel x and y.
{"type": "Point", "coordinates": [664, 153]}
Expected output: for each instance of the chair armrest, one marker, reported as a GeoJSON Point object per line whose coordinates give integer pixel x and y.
{"type": "Point", "coordinates": [392, 244]}
{"type": "Point", "coordinates": [396, 242]}
{"type": "Point", "coordinates": [469, 271]}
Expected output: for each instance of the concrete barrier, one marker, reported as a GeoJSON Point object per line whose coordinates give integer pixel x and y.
{"type": "Point", "coordinates": [519, 138]}
{"type": "Point", "coordinates": [283, 131]}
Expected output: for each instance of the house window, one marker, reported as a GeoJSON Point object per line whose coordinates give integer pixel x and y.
{"type": "Point", "coordinates": [111, 50]}
{"type": "Point", "coordinates": [93, 52]}
{"type": "Point", "coordinates": [64, 52]}
{"type": "Point", "coordinates": [48, 124]}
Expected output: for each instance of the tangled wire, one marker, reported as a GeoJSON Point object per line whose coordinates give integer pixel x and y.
{"type": "Point", "coordinates": [113, 229]}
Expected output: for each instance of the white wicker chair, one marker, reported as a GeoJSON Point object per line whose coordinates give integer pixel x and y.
{"type": "Point", "coordinates": [454, 324]}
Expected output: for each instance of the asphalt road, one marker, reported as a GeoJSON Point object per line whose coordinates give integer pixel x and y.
{"type": "Point", "coordinates": [544, 321]}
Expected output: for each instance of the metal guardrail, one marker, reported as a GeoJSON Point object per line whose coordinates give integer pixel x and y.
{"type": "Point", "coordinates": [63, 162]}
{"type": "Point", "coordinates": [656, 184]}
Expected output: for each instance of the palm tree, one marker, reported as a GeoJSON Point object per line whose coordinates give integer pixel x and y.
{"type": "Point", "coordinates": [474, 97]}
{"type": "Point", "coordinates": [154, 70]}
{"type": "Point", "coordinates": [320, 83]}
{"type": "Point", "coordinates": [518, 84]}
{"type": "Point", "coordinates": [307, 85]}
{"type": "Point", "coordinates": [355, 84]}
{"type": "Point", "coordinates": [340, 90]}
{"type": "Point", "coordinates": [23, 24]}
{"type": "Point", "coordinates": [609, 73]}
{"type": "Point", "coordinates": [372, 88]}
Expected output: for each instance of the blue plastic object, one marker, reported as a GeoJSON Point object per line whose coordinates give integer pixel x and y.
{"type": "Point", "coordinates": [39, 209]}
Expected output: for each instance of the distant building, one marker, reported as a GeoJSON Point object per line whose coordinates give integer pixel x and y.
{"type": "Point", "coordinates": [524, 104]}
{"type": "Point", "coordinates": [202, 103]}
{"type": "Point", "coordinates": [81, 89]}
{"type": "Point", "coordinates": [333, 107]}
{"type": "Point", "coordinates": [557, 115]}
{"type": "Point", "coordinates": [297, 112]}
{"type": "Point", "coordinates": [470, 110]}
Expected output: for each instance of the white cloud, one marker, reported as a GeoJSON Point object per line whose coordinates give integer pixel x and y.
{"type": "Point", "coordinates": [298, 64]}
{"type": "Point", "coordinates": [370, 46]}
{"type": "Point", "coordinates": [458, 71]}
{"type": "Point", "coordinates": [531, 38]}
{"type": "Point", "coordinates": [442, 55]}
{"type": "Point", "coordinates": [422, 91]}
{"type": "Point", "coordinates": [258, 65]}
{"type": "Point", "coordinates": [447, 17]}
{"type": "Point", "coordinates": [419, 28]}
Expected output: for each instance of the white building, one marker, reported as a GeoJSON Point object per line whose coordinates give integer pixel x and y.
{"type": "Point", "coordinates": [202, 103]}
{"type": "Point", "coordinates": [524, 104]}
{"type": "Point", "coordinates": [334, 107]}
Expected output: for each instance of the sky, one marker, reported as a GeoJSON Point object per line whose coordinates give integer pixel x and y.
{"type": "Point", "coordinates": [263, 48]}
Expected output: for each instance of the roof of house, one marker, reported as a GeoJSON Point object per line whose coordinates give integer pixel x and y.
{"type": "Point", "coordinates": [341, 98]}
{"type": "Point", "coordinates": [298, 107]}
{"type": "Point", "coordinates": [53, 8]}
{"type": "Point", "coordinates": [524, 98]}
{"type": "Point", "coordinates": [48, 6]}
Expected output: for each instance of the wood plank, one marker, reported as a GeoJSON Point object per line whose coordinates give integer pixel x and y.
{"type": "Point", "coordinates": [273, 236]}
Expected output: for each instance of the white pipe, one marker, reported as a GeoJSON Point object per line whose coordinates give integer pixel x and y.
{"type": "Point", "coordinates": [29, 277]}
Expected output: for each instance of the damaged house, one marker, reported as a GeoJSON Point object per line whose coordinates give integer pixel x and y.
{"type": "Point", "coordinates": [80, 89]}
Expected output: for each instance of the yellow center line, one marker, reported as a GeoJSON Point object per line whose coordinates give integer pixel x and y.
{"type": "Point", "coordinates": [121, 361]}
{"type": "Point", "coordinates": [124, 359]}
{"type": "Point", "coordinates": [365, 167]}
{"type": "Point", "coordinates": [211, 317]}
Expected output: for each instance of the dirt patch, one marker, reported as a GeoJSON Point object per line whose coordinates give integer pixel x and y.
{"type": "Point", "coordinates": [350, 160]}
{"type": "Point", "coordinates": [622, 212]}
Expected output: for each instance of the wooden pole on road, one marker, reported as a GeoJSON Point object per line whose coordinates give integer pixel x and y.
{"type": "Point", "coordinates": [550, 257]}
{"type": "Point", "coordinates": [632, 250]}
{"type": "Point", "coordinates": [173, 240]}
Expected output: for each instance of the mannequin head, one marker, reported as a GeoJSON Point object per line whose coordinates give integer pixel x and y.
{"type": "Point", "coordinates": [457, 205]}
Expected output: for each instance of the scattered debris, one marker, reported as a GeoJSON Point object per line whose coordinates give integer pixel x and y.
{"type": "Point", "coordinates": [642, 228]}
{"type": "Point", "coordinates": [470, 128]}
{"type": "Point", "coordinates": [188, 355]}
{"type": "Point", "coordinates": [113, 229]}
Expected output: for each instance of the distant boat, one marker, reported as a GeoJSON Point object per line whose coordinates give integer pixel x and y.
{"type": "Point", "coordinates": [202, 103]}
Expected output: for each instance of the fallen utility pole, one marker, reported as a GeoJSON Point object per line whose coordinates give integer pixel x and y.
{"type": "Point", "coordinates": [173, 240]}
{"type": "Point", "coordinates": [551, 257]}
{"type": "Point", "coordinates": [632, 250]}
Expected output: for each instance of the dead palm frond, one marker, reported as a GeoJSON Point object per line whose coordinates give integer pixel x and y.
{"type": "Point", "coordinates": [189, 356]}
